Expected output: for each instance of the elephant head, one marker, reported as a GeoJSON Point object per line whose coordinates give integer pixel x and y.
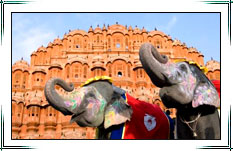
{"type": "Point", "coordinates": [97, 104]}
{"type": "Point", "coordinates": [181, 83]}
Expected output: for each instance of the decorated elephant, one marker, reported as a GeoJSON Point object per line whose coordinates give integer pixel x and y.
{"type": "Point", "coordinates": [116, 114]}
{"type": "Point", "coordinates": [185, 87]}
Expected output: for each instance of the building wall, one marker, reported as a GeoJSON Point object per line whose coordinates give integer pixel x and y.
{"type": "Point", "coordinates": [79, 55]}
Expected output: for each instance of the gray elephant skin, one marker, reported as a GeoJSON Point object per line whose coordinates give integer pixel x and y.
{"type": "Point", "coordinates": [100, 104]}
{"type": "Point", "coordinates": [184, 87]}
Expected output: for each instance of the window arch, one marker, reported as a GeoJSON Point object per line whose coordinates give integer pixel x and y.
{"type": "Point", "coordinates": [50, 112]}
{"type": "Point", "coordinates": [119, 68]}
{"type": "Point", "coordinates": [17, 78]}
{"type": "Point", "coordinates": [98, 71]}
{"type": "Point", "coordinates": [34, 111]}
{"type": "Point", "coordinates": [76, 70]}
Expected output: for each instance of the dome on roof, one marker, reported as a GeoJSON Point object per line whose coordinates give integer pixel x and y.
{"type": "Point", "coordinates": [176, 42]}
{"type": "Point", "coordinates": [57, 41]}
{"type": "Point", "coordinates": [116, 27]}
{"type": "Point", "coordinates": [98, 29]}
{"type": "Point", "coordinates": [137, 30]}
{"type": "Point", "coordinates": [192, 49]}
{"type": "Point", "coordinates": [78, 31]}
{"type": "Point", "coordinates": [90, 29]}
{"type": "Point", "coordinates": [41, 48]}
{"type": "Point", "coordinates": [156, 32]}
{"type": "Point", "coordinates": [130, 28]}
{"type": "Point", "coordinates": [213, 65]}
{"type": "Point", "coordinates": [144, 30]}
{"type": "Point", "coordinates": [65, 36]}
{"type": "Point", "coordinates": [22, 63]}
{"type": "Point", "coordinates": [104, 28]}
{"type": "Point", "coordinates": [50, 44]}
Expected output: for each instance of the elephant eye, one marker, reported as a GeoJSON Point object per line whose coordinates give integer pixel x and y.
{"type": "Point", "coordinates": [90, 94]}
{"type": "Point", "coordinates": [183, 68]}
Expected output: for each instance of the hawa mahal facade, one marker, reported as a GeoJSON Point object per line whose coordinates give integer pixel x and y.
{"type": "Point", "coordinates": [79, 55]}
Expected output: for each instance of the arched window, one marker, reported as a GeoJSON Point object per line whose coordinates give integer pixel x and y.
{"type": "Point", "coordinates": [50, 112]}
{"type": "Point", "coordinates": [17, 78]}
{"type": "Point", "coordinates": [77, 70]}
{"type": "Point", "coordinates": [34, 111]}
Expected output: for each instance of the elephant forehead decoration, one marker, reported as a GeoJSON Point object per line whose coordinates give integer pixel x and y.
{"type": "Point", "coordinates": [88, 95]}
{"type": "Point", "coordinates": [181, 74]}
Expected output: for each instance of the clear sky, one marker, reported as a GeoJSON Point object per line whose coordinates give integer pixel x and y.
{"type": "Point", "coordinates": [32, 30]}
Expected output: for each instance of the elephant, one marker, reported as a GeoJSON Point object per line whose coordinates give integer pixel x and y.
{"type": "Point", "coordinates": [115, 114]}
{"type": "Point", "coordinates": [184, 86]}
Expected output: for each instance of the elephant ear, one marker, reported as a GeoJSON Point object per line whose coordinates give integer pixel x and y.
{"type": "Point", "coordinates": [205, 93]}
{"type": "Point", "coordinates": [117, 112]}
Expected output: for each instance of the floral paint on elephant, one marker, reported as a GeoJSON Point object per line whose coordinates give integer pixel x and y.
{"type": "Point", "coordinates": [112, 115]}
{"type": "Point", "coordinates": [95, 100]}
{"type": "Point", "coordinates": [205, 94]}
{"type": "Point", "coordinates": [189, 84]}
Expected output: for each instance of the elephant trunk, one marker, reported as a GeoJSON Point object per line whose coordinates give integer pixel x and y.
{"type": "Point", "coordinates": [154, 64]}
{"type": "Point", "coordinates": [54, 98]}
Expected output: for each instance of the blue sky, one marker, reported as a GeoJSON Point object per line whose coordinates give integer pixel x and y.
{"type": "Point", "coordinates": [31, 30]}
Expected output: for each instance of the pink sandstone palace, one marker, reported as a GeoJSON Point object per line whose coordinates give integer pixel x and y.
{"type": "Point", "coordinates": [79, 55]}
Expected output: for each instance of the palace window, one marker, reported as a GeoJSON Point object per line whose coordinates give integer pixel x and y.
{"type": "Point", "coordinates": [17, 77]}
{"type": "Point", "coordinates": [118, 45]}
{"type": "Point", "coordinates": [50, 111]}
{"type": "Point", "coordinates": [119, 74]}
{"type": "Point", "coordinates": [76, 71]}
{"type": "Point", "coordinates": [34, 111]}
{"type": "Point", "coordinates": [76, 75]}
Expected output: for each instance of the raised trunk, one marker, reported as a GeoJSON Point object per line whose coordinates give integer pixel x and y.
{"type": "Point", "coordinates": [154, 64]}
{"type": "Point", "coordinates": [54, 98]}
